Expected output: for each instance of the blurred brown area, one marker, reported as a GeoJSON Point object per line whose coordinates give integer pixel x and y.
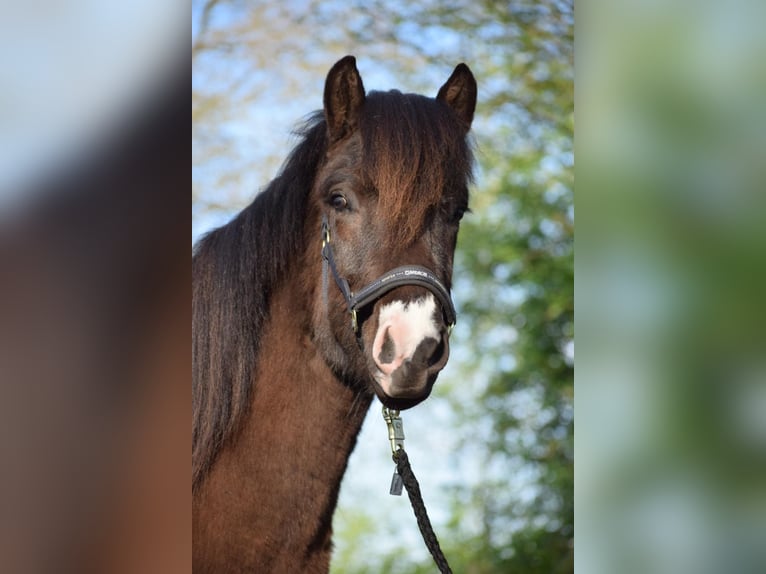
{"type": "Point", "coordinates": [94, 299]}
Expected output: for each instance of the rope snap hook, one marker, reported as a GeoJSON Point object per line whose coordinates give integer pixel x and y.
{"type": "Point", "coordinates": [395, 429]}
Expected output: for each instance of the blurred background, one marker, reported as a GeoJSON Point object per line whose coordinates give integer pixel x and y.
{"type": "Point", "coordinates": [671, 274]}
{"type": "Point", "coordinates": [94, 287]}
{"type": "Point", "coordinates": [493, 447]}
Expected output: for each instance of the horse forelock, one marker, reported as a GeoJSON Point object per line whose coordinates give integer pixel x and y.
{"type": "Point", "coordinates": [414, 151]}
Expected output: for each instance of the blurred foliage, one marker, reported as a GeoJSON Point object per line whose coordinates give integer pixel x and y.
{"type": "Point", "coordinates": [517, 250]}
{"type": "Point", "coordinates": [671, 399]}
{"type": "Point", "coordinates": [514, 265]}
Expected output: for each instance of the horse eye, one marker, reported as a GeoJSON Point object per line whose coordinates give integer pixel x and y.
{"type": "Point", "coordinates": [457, 215]}
{"type": "Point", "coordinates": [338, 201]}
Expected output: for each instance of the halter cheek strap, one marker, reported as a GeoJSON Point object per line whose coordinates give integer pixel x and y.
{"type": "Point", "coordinates": [397, 277]}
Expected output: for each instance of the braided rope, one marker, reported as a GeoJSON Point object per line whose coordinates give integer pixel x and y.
{"type": "Point", "coordinates": [424, 524]}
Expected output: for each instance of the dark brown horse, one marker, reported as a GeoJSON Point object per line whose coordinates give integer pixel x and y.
{"type": "Point", "coordinates": [329, 289]}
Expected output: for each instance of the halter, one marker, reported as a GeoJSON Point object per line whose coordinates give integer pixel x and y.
{"type": "Point", "coordinates": [404, 275]}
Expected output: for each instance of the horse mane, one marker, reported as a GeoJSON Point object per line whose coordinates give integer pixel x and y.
{"type": "Point", "coordinates": [237, 267]}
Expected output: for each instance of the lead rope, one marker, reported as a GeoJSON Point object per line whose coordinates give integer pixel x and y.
{"type": "Point", "coordinates": [403, 475]}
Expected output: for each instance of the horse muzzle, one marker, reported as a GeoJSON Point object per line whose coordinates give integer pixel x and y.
{"type": "Point", "coordinates": [409, 349]}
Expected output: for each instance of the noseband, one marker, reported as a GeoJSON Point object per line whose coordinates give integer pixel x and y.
{"type": "Point", "coordinates": [397, 277]}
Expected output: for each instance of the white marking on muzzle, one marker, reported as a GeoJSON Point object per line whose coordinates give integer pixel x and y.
{"type": "Point", "coordinates": [401, 328]}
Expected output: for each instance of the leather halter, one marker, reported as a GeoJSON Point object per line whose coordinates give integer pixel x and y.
{"type": "Point", "coordinates": [397, 277]}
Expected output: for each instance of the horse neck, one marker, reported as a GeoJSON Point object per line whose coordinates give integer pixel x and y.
{"type": "Point", "coordinates": [268, 502]}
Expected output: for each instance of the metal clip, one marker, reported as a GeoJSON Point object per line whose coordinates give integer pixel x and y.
{"type": "Point", "coordinates": [325, 235]}
{"type": "Point", "coordinates": [395, 429]}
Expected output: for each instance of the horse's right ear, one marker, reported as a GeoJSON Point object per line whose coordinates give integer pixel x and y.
{"type": "Point", "coordinates": [343, 99]}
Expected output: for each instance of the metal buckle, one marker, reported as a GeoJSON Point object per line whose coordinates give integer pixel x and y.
{"type": "Point", "coordinates": [325, 235]}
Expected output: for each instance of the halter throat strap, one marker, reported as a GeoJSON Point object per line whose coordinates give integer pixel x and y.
{"type": "Point", "coordinates": [397, 277]}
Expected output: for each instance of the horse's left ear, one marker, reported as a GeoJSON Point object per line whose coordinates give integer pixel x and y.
{"type": "Point", "coordinates": [459, 93]}
{"type": "Point", "coordinates": [343, 99]}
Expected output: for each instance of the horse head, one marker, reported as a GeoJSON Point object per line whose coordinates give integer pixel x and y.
{"type": "Point", "coordinates": [385, 206]}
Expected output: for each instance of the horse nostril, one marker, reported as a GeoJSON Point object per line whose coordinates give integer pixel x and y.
{"type": "Point", "coordinates": [437, 354]}
{"type": "Point", "coordinates": [388, 349]}
{"type": "Point", "coordinates": [427, 353]}
{"type": "Point", "coordinates": [385, 353]}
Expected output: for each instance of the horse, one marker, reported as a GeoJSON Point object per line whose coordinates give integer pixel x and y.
{"type": "Point", "coordinates": [330, 288]}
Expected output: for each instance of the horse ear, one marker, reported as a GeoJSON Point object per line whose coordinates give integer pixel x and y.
{"type": "Point", "coordinates": [459, 93]}
{"type": "Point", "coordinates": [343, 99]}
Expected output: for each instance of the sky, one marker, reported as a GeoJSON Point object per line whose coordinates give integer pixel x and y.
{"type": "Point", "coordinates": [68, 74]}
